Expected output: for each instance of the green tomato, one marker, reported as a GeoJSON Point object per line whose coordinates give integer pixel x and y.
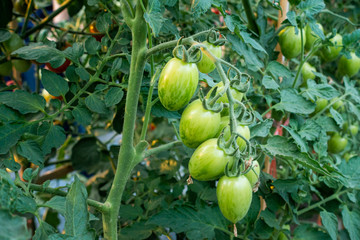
{"type": "Point", "coordinates": [338, 105]}
{"type": "Point", "coordinates": [330, 53]}
{"type": "Point", "coordinates": [252, 176]}
{"type": "Point", "coordinates": [353, 130]}
{"type": "Point", "coordinates": [21, 65]}
{"type": "Point", "coordinates": [307, 72]}
{"type": "Point", "coordinates": [321, 103]}
{"type": "Point", "coordinates": [208, 162]}
{"type": "Point", "coordinates": [311, 37]}
{"type": "Point", "coordinates": [337, 143]}
{"type": "Point", "coordinates": [6, 68]}
{"type": "Point", "coordinates": [290, 43]}
{"type": "Point", "coordinates": [224, 121]}
{"type": "Point", "coordinates": [348, 67]}
{"type": "Point", "coordinates": [177, 84]}
{"type": "Point", "coordinates": [234, 196]}
{"type": "Point", "coordinates": [282, 236]}
{"type": "Point", "coordinates": [13, 43]}
{"type": "Point", "coordinates": [206, 65]}
{"type": "Point", "coordinates": [243, 130]}
{"type": "Point", "coordinates": [198, 124]}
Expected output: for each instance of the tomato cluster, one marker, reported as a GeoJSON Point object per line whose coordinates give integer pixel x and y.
{"type": "Point", "coordinates": [200, 128]}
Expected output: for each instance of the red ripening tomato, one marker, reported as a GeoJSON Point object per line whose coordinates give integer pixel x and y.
{"type": "Point", "coordinates": [93, 29]}
{"type": "Point", "coordinates": [60, 69]}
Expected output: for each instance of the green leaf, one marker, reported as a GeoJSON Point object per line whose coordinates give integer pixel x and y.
{"type": "Point", "coordinates": [76, 212]}
{"type": "Point", "coordinates": [31, 150]}
{"type": "Point", "coordinates": [53, 83]}
{"type": "Point", "coordinates": [103, 22]}
{"type": "Point", "coordinates": [337, 117]}
{"type": "Point", "coordinates": [159, 111]}
{"type": "Point", "coordinates": [23, 101]}
{"type": "Point", "coordinates": [86, 155]}
{"type": "Point", "coordinates": [4, 35]}
{"type": "Point", "coordinates": [232, 21]}
{"type": "Point", "coordinates": [351, 221]}
{"type": "Point", "coordinates": [42, 54]}
{"type": "Point", "coordinates": [311, 7]}
{"type": "Point", "coordinates": [351, 171]}
{"type": "Point", "coordinates": [58, 236]}
{"type": "Point", "coordinates": [198, 7]}
{"type": "Point", "coordinates": [269, 83]}
{"type": "Point", "coordinates": [291, 16]}
{"type": "Point", "coordinates": [261, 129]}
{"type": "Point", "coordinates": [12, 165]}
{"type": "Point", "coordinates": [298, 140]}
{"type": "Point", "coordinates": [278, 70]}
{"type": "Point", "coordinates": [116, 67]}
{"type": "Point", "coordinates": [7, 114]}
{"type": "Point", "coordinates": [54, 136]}
{"type": "Point", "coordinates": [13, 227]}
{"type": "Point", "coordinates": [330, 222]}
{"type": "Point", "coordinates": [292, 102]}
{"type": "Point", "coordinates": [269, 218]}
{"type": "Point", "coordinates": [82, 115]}
{"type": "Point", "coordinates": [113, 96]}
{"type": "Point", "coordinates": [280, 146]}
{"type": "Point", "coordinates": [137, 231]}
{"type": "Point", "coordinates": [95, 103]}
{"type": "Point", "coordinates": [315, 28]}
{"type": "Point", "coordinates": [75, 52]}
{"type": "Point", "coordinates": [200, 224]}
{"type": "Point", "coordinates": [10, 134]}
{"type": "Point", "coordinates": [129, 212]}
{"type": "Point", "coordinates": [82, 73]}
{"type": "Point", "coordinates": [30, 174]}
{"type": "Point", "coordinates": [354, 109]}
{"type": "Point", "coordinates": [57, 203]}
{"type": "Point", "coordinates": [310, 130]}
{"type": "Point", "coordinates": [322, 90]}
{"type": "Point", "coordinates": [249, 40]}
{"type": "Point", "coordinates": [307, 232]}
{"type": "Point", "coordinates": [351, 38]}
{"type": "Point", "coordinates": [153, 16]}
{"type": "Point", "coordinates": [43, 231]}
{"type": "Point", "coordinates": [25, 204]}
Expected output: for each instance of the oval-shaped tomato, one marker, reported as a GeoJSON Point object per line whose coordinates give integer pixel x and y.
{"type": "Point", "coordinates": [224, 121]}
{"type": "Point", "coordinates": [206, 65]}
{"type": "Point", "coordinates": [337, 143]}
{"type": "Point", "coordinates": [282, 236]}
{"type": "Point", "coordinates": [307, 72]}
{"type": "Point", "coordinates": [21, 65]}
{"type": "Point", "coordinates": [290, 42]}
{"type": "Point", "coordinates": [252, 176]}
{"type": "Point", "coordinates": [348, 67]}
{"type": "Point", "coordinates": [177, 84]}
{"type": "Point", "coordinates": [330, 53]}
{"type": "Point", "coordinates": [198, 124]}
{"type": "Point", "coordinates": [353, 129]}
{"type": "Point", "coordinates": [234, 196]}
{"type": "Point", "coordinates": [60, 69]}
{"type": "Point", "coordinates": [311, 37]}
{"type": "Point", "coordinates": [338, 105]}
{"type": "Point", "coordinates": [13, 43]}
{"type": "Point", "coordinates": [208, 161]}
{"type": "Point", "coordinates": [5, 68]}
{"type": "Point", "coordinates": [243, 130]}
{"type": "Point", "coordinates": [321, 103]}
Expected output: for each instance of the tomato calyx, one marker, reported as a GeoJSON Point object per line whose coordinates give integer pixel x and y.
{"type": "Point", "coordinates": [213, 37]}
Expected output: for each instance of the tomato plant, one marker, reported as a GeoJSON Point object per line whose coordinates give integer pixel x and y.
{"type": "Point", "coordinates": [179, 119]}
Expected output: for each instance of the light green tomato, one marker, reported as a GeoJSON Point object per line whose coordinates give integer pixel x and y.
{"type": "Point", "coordinates": [177, 84]}
{"type": "Point", "coordinates": [290, 43]}
{"type": "Point", "coordinates": [198, 124]}
{"type": "Point", "coordinates": [321, 103]}
{"type": "Point", "coordinates": [234, 196]}
{"type": "Point", "coordinates": [330, 53]}
{"type": "Point", "coordinates": [206, 65]}
{"type": "Point", "coordinates": [5, 69]}
{"type": "Point", "coordinates": [225, 120]}
{"type": "Point", "coordinates": [208, 162]}
{"type": "Point", "coordinates": [243, 130]}
{"type": "Point", "coordinates": [224, 99]}
{"type": "Point", "coordinates": [21, 65]}
{"type": "Point", "coordinates": [311, 37]}
{"type": "Point", "coordinates": [307, 72]}
{"type": "Point", "coordinates": [13, 43]}
{"type": "Point", "coordinates": [252, 176]}
{"type": "Point", "coordinates": [348, 67]}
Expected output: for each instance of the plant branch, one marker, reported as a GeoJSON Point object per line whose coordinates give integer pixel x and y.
{"type": "Point", "coordinates": [47, 19]}
{"type": "Point", "coordinates": [127, 12]}
{"type": "Point", "coordinates": [250, 16]}
{"type": "Point", "coordinates": [161, 148]}
{"type": "Point", "coordinates": [29, 9]}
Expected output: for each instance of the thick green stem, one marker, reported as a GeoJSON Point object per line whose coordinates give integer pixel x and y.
{"type": "Point", "coordinates": [127, 154]}
{"type": "Point", "coordinates": [250, 16]}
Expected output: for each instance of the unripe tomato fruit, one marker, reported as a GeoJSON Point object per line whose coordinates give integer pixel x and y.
{"type": "Point", "coordinates": [353, 130]}
{"type": "Point", "coordinates": [13, 43]}
{"type": "Point", "coordinates": [321, 103]}
{"type": "Point", "coordinates": [177, 84]}
{"type": "Point", "coordinates": [338, 105]}
{"type": "Point", "coordinates": [282, 236]}
{"type": "Point", "coordinates": [337, 143]}
{"type": "Point", "coordinates": [234, 196]}
{"type": "Point", "coordinates": [252, 176]}
{"type": "Point", "coordinates": [330, 53]}
{"type": "Point", "coordinates": [311, 37]}
{"type": "Point", "coordinates": [290, 43]}
{"type": "Point", "coordinates": [307, 72]}
{"type": "Point", "coordinates": [348, 67]}
{"type": "Point", "coordinates": [5, 68]}
{"type": "Point", "coordinates": [198, 124]}
{"type": "Point", "coordinates": [60, 69]}
{"type": "Point", "coordinates": [21, 65]}
{"type": "Point", "coordinates": [208, 161]}
{"type": "Point", "coordinates": [206, 65]}
{"type": "Point", "coordinates": [224, 121]}
{"type": "Point", "coordinates": [243, 130]}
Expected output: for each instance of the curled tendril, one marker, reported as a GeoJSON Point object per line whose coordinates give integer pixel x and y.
{"type": "Point", "coordinates": [179, 42]}
{"type": "Point", "coordinates": [213, 37]}
{"type": "Point", "coordinates": [192, 55]}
